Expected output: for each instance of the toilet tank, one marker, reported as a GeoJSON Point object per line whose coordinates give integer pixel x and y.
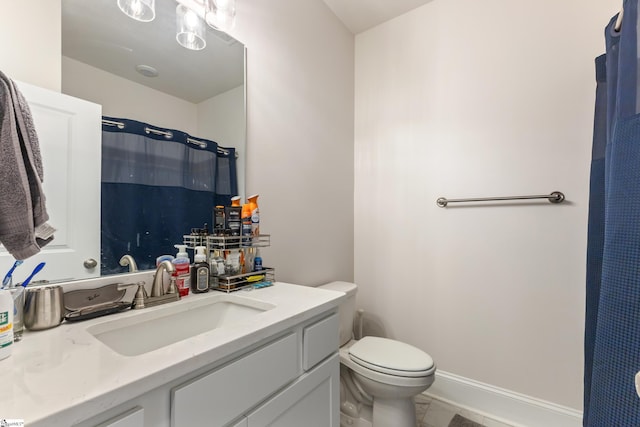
{"type": "Point", "coordinates": [347, 308]}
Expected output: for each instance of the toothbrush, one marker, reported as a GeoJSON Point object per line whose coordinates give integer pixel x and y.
{"type": "Point", "coordinates": [7, 277]}
{"type": "Point", "coordinates": [33, 273]}
{"type": "Point", "coordinates": [24, 284]}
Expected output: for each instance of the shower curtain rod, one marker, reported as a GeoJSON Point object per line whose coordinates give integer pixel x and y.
{"type": "Point", "coordinates": [166, 134]}
{"type": "Point", "coordinates": [555, 197]}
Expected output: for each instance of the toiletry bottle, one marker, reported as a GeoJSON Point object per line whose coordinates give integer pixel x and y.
{"type": "Point", "coordinates": [6, 323]}
{"type": "Point", "coordinates": [181, 273]}
{"type": "Point", "coordinates": [218, 221]}
{"type": "Point", "coordinates": [200, 272]}
{"type": "Point", "coordinates": [246, 224]}
{"type": "Point", "coordinates": [233, 218]}
{"type": "Point", "coordinates": [216, 269]}
{"type": "Point", "coordinates": [255, 215]}
{"type": "Point", "coordinates": [232, 263]}
{"type": "Point", "coordinates": [249, 255]}
{"type": "Point", "coordinates": [257, 261]}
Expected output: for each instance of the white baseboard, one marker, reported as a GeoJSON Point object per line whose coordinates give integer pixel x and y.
{"type": "Point", "coordinates": [502, 405]}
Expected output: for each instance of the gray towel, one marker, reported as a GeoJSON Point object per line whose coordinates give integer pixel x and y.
{"type": "Point", "coordinates": [23, 215]}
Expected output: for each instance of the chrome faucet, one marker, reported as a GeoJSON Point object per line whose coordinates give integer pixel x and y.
{"type": "Point", "coordinates": [128, 260]}
{"type": "Point", "coordinates": [158, 295]}
{"type": "Point", "coordinates": [157, 290]}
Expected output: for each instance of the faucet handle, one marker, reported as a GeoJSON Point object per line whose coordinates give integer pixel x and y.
{"type": "Point", "coordinates": [124, 286]}
{"type": "Point", "coordinates": [141, 297]}
{"type": "Point", "coordinates": [173, 288]}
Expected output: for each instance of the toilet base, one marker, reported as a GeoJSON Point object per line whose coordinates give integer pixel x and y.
{"type": "Point", "coordinates": [394, 412]}
{"type": "Point", "coordinates": [349, 421]}
{"type": "Point", "coordinates": [386, 413]}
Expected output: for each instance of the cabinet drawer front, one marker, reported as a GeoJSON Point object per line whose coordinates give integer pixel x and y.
{"type": "Point", "coordinates": [320, 340]}
{"type": "Point", "coordinates": [217, 398]}
{"type": "Point", "coordinates": [132, 418]}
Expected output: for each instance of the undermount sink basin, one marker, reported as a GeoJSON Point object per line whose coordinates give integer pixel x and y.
{"type": "Point", "coordinates": [157, 327]}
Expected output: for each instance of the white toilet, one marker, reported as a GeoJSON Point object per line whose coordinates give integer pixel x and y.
{"type": "Point", "coordinates": [379, 377]}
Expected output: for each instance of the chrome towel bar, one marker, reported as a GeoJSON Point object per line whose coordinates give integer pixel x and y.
{"type": "Point", "coordinates": [554, 197]}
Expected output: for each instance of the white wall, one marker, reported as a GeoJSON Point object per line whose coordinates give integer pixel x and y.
{"type": "Point", "coordinates": [123, 98]}
{"type": "Point", "coordinates": [31, 42]}
{"type": "Point", "coordinates": [300, 135]}
{"type": "Point", "coordinates": [462, 99]}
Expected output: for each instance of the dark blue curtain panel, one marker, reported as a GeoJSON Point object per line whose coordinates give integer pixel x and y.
{"type": "Point", "coordinates": [612, 325]}
{"type": "Point", "coordinates": [156, 186]}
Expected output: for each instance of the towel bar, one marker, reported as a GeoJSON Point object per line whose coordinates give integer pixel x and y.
{"type": "Point", "coordinates": [554, 197]}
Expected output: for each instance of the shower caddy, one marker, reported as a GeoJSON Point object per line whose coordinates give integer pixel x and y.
{"type": "Point", "coordinates": [244, 243]}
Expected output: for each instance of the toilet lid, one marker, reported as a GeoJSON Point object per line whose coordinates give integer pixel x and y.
{"type": "Point", "coordinates": [391, 357]}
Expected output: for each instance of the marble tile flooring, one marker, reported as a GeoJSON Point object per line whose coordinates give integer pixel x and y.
{"type": "Point", "coordinates": [435, 413]}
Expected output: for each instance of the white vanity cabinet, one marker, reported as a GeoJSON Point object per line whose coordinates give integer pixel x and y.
{"type": "Point", "coordinates": [306, 360]}
{"type": "Point", "coordinates": [287, 380]}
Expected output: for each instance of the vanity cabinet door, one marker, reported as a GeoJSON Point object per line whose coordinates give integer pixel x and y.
{"type": "Point", "coordinates": [132, 418]}
{"type": "Point", "coordinates": [311, 401]}
{"type": "Point", "coordinates": [217, 398]}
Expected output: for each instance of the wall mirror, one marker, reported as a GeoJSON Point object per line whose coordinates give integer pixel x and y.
{"type": "Point", "coordinates": [109, 58]}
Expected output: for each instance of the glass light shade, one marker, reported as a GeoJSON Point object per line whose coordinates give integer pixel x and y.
{"type": "Point", "coordinates": [221, 14]}
{"type": "Point", "coordinates": [191, 29]}
{"type": "Point", "coordinates": [140, 10]}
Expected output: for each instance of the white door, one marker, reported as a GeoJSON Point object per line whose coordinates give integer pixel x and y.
{"type": "Point", "coordinates": [69, 131]}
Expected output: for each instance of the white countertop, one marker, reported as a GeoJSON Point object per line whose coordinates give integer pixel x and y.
{"type": "Point", "coordinates": [64, 375]}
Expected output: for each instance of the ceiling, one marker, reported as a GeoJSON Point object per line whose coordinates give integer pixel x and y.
{"type": "Point", "coordinates": [360, 15]}
{"type": "Point", "coordinates": [97, 33]}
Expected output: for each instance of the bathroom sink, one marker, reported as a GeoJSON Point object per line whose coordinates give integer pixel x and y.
{"type": "Point", "coordinates": [153, 328]}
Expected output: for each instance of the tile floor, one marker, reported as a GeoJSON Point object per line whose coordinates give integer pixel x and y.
{"type": "Point", "coordinates": [435, 413]}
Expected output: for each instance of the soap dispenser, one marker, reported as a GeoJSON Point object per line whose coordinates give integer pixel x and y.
{"type": "Point", "coordinates": [182, 264]}
{"type": "Point", "coordinates": [200, 272]}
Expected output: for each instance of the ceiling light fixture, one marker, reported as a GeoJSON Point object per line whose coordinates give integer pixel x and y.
{"type": "Point", "coordinates": [221, 14]}
{"type": "Point", "coordinates": [190, 17]}
{"type": "Point", "coordinates": [140, 10]}
{"type": "Point", "coordinates": [190, 28]}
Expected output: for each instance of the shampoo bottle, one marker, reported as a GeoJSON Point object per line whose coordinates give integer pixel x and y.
{"type": "Point", "coordinates": [246, 224]}
{"type": "Point", "coordinates": [200, 272]}
{"type": "Point", "coordinates": [233, 220]}
{"type": "Point", "coordinates": [6, 324]}
{"type": "Point", "coordinates": [181, 273]}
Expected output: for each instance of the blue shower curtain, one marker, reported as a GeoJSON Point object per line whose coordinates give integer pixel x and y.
{"type": "Point", "coordinates": [612, 328]}
{"type": "Point", "coordinates": [157, 184]}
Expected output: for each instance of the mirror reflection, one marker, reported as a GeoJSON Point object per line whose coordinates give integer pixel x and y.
{"type": "Point", "coordinates": [135, 71]}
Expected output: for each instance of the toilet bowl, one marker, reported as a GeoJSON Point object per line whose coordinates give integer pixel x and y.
{"type": "Point", "coordinates": [379, 377]}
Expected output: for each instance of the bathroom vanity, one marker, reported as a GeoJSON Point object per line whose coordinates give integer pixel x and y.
{"type": "Point", "coordinates": [264, 357]}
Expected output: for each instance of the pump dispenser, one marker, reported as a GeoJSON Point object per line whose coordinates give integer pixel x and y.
{"type": "Point", "coordinates": [200, 271]}
{"type": "Point", "coordinates": [181, 273]}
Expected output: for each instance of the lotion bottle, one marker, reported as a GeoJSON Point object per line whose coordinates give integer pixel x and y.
{"type": "Point", "coordinates": [200, 272]}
